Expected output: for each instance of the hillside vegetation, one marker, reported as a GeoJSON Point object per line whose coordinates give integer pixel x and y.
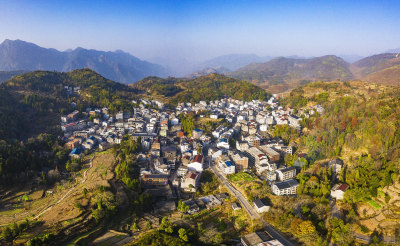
{"type": "Point", "coordinates": [382, 68]}
{"type": "Point", "coordinates": [210, 87]}
{"type": "Point", "coordinates": [32, 103]}
{"type": "Point", "coordinates": [360, 125]}
{"type": "Point", "coordinates": [292, 72]}
{"type": "Point", "coordinates": [6, 75]}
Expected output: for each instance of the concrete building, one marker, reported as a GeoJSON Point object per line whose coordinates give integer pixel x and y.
{"type": "Point", "coordinates": [272, 154]}
{"type": "Point", "coordinates": [191, 181]}
{"type": "Point", "coordinates": [261, 205]}
{"type": "Point", "coordinates": [196, 134]}
{"type": "Point", "coordinates": [196, 164]}
{"type": "Point", "coordinates": [241, 161]}
{"type": "Point", "coordinates": [338, 191]}
{"type": "Point", "coordinates": [255, 239]}
{"type": "Point", "coordinates": [227, 167]}
{"type": "Point", "coordinates": [288, 187]}
{"type": "Point", "coordinates": [286, 173]}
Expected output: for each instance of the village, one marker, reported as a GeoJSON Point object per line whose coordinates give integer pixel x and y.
{"type": "Point", "coordinates": [172, 161]}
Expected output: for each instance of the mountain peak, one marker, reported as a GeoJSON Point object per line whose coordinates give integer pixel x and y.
{"type": "Point", "coordinates": [118, 66]}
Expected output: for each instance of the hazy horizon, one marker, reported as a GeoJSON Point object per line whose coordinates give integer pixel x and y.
{"type": "Point", "coordinates": [197, 31]}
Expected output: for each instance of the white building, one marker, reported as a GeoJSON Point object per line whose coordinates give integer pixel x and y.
{"type": "Point", "coordinates": [227, 167]}
{"type": "Point", "coordinates": [286, 173]}
{"type": "Point", "coordinates": [338, 191]}
{"type": "Point", "coordinates": [261, 205]}
{"type": "Point", "coordinates": [223, 143]}
{"type": "Point", "coordinates": [288, 187]}
{"type": "Point", "coordinates": [196, 164]}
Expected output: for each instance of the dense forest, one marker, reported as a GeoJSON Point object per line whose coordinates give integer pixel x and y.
{"type": "Point", "coordinates": [360, 125]}
{"type": "Point", "coordinates": [207, 88]}
{"type": "Point", "coordinates": [30, 108]}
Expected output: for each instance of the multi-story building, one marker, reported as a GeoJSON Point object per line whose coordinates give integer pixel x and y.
{"type": "Point", "coordinates": [196, 164]}
{"type": "Point", "coordinates": [272, 154]}
{"type": "Point", "coordinates": [241, 161]}
{"type": "Point", "coordinates": [196, 134]}
{"type": "Point", "coordinates": [288, 187]}
{"type": "Point", "coordinates": [286, 173]}
{"type": "Point", "coordinates": [191, 181]}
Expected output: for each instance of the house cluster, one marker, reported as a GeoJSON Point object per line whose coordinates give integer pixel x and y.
{"type": "Point", "coordinates": [245, 144]}
{"type": "Point", "coordinates": [205, 202]}
{"type": "Point", "coordinates": [174, 161]}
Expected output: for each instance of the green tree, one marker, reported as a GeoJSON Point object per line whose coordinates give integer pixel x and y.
{"type": "Point", "coordinates": [183, 207]}
{"type": "Point", "coordinates": [134, 226]}
{"type": "Point", "coordinates": [7, 235]}
{"type": "Point", "coordinates": [166, 225]}
{"type": "Point", "coordinates": [183, 234]}
{"type": "Point", "coordinates": [85, 191]}
{"type": "Point", "coordinates": [218, 239]}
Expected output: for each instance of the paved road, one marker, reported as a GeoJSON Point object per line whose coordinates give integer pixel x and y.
{"type": "Point", "coordinates": [249, 208]}
{"type": "Point", "coordinates": [245, 204]}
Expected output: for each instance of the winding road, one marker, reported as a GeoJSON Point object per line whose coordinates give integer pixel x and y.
{"type": "Point", "coordinates": [249, 208]}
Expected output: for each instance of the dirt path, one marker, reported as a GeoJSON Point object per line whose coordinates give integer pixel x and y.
{"type": "Point", "coordinates": [68, 192]}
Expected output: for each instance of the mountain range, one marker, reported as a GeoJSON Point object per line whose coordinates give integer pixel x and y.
{"type": "Point", "coordinates": [275, 74]}
{"type": "Point", "coordinates": [119, 66]}
{"type": "Point", "coordinates": [283, 73]}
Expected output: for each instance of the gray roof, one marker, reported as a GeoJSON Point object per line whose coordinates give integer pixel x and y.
{"type": "Point", "coordinates": [259, 203]}
{"type": "Point", "coordinates": [287, 184]}
{"type": "Point", "coordinates": [288, 169]}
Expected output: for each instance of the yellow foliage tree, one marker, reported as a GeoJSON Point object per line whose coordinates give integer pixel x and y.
{"type": "Point", "coordinates": [305, 227]}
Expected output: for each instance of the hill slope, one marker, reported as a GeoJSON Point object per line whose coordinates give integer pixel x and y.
{"type": "Point", "coordinates": [118, 66]}
{"type": "Point", "coordinates": [233, 61]}
{"type": "Point", "coordinates": [381, 68]}
{"type": "Point", "coordinates": [6, 75]}
{"type": "Point", "coordinates": [210, 87]}
{"type": "Point", "coordinates": [32, 103]}
{"type": "Point", "coordinates": [207, 71]}
{"type": "Point", "coordinates": [291, 72]}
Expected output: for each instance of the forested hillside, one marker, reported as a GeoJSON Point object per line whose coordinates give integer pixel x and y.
{"type": "Point", "coordinates": [281, 72]}
{"type": "Point", "coordinates": [210, 87]}
{"type": "Point", "coordinates": [37, 99]}
{"type": "Point", "coordinates": [6, 75]}
{"type": "Point", "coordinates": [361, 125]}
{"type": "Point", "coordinates": [30, 108]}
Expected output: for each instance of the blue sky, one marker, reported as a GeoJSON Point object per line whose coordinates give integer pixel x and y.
{"type": "Point", "coordinates": [204, 29]}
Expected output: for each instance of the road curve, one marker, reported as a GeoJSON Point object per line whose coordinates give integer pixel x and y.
{"type": "Point", "coordinates": [250, 209]}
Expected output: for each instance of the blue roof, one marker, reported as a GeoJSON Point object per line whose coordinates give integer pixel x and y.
{"type": "Point", "coordinates": [197, 130]}
{"type": "Point", "coordinates": [229, 163]}
{"type": "Point", "coordinates": [223, 140]}
{"type": "Point", "coordinates": [76, 151]}
{"type": "Point", "coordinates": [92, 138]}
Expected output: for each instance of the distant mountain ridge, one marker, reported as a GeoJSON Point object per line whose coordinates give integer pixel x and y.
{"type": "Point", "coordinates": [207, 71]}
{"type": "Point", "coordinates": [118, 66]}
{"type": "Point", "coordinates": [290, 72]}
{"type": "Point", "coordinates": [381, 68]}
{"type": "Point", "coordinates": [234, 61]}
{"type": "Point", "coordinates": [6, 75]}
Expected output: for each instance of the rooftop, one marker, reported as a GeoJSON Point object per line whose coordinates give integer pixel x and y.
{"type": "Point", "coordinates": [287, 184]}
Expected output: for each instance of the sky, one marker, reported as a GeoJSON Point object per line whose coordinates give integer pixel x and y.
{"type": "Point", "coordinates": [199, 30]}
